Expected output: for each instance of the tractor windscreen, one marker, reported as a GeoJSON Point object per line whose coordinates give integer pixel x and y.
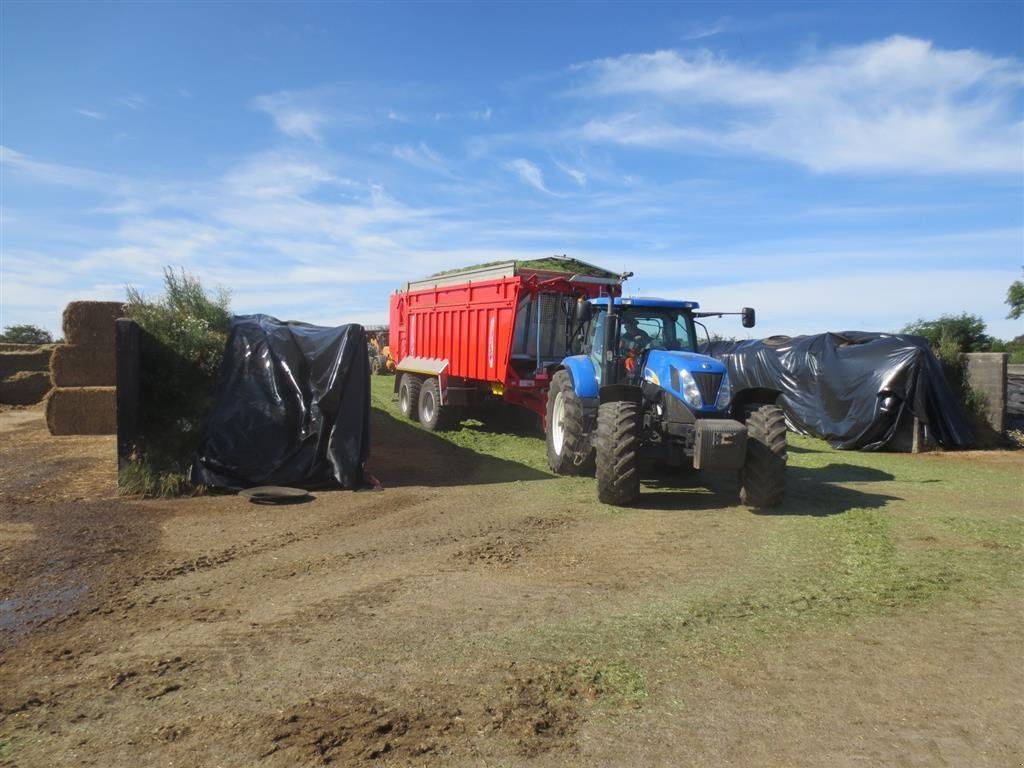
{"type": "Point", "coordinates": [655, 328]}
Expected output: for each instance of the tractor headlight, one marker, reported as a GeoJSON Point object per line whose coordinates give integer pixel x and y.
{"type": "Point", "coordinates": [691, 393]}
{"type": "Point", "coordinates": [724, 393]}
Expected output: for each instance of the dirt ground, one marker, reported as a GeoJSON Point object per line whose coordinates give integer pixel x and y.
{"type": "Point", "coordinates": [477, 612]}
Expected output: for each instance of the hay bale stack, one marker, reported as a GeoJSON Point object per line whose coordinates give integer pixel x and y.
{"type": "Point", "coordinates": [91, 322]}
{"type": "Point", "coordinates": [24, 388]}
{"type": "Point", "coordinates": [84, 371]}
{"type": "Point", "coordinates": [10, 346]}
{"type": "Point", "coordinates": [82, 411]}
{"type": "Point", "coordinates": [77, 366]}
{"type": "Point", "coordinates": [16, 362]}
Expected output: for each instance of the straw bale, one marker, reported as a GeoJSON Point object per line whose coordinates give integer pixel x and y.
{"type": "Point", "coordinates": [10, 346]}
{"type": "Point", "coordinates": [82, 411]}
{"type": "Point", "coordinates": [91, 322]}
{"type": "Point", "coordinates": [16, 362]}
{"type": "Point", "coordinates": [24, 388]}
{"type": "Point", "coordinates": [76, 366]}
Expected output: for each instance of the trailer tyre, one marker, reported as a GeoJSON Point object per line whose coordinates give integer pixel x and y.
{"type": "Point", "coordinates": [569, 452]}
{"type": "Point", "coordinates": [409, 395]}
{"type": "Point", "coordinates": [763, 477]}
{"type": "Point", "coordinates": [618, 448]}
{"type": "Point", "coordinates": [431, 411]}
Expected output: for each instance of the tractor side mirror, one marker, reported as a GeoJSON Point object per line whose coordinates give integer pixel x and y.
{"type": "Point", "coordinates": [584, 311]}
{"type": "Point", "coordinates": [748, 317]}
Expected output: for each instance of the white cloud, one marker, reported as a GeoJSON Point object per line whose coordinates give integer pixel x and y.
{"type": "Point", "coordinates": [718, 27]}
{"type": "Point", "coordinates": [899, 104]}
{"type": "Point", "coordinates": [574, 173]}
{"type": "Point", "coordinates": [278, 174]}
{"type": "Point", "coordinates": [528, 172]}
{"type": "Point", "coordinates": [91, 114]}
{"type": "Point", "coordinates": [291, 117]}
{"type": "Point", "coordinates": [132, 101]}
{"type": "Point", "coordinates": [53, 173]}
{"type": "Point", "coordinates": [423, 157]}
{"type": "Point", "coordinates": [883, 301]}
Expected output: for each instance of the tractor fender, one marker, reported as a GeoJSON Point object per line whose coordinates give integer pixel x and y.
{"type": "Point", "coordinates": [746, 399]}
{"type": "Point", "coordinates": [584, 377]}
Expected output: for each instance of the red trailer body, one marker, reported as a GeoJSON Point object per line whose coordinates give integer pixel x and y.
{"type": "Point", "coordinates": [488, 332]}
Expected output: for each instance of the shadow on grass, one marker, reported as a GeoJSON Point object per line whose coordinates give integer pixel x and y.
{"type": "Point", "coordinates": [404, 454]}
{"type": "Point", "coordinates": [809, 492]}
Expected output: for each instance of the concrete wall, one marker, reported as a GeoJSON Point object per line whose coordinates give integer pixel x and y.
{"type": "Point", "coordinates": [986, 372]}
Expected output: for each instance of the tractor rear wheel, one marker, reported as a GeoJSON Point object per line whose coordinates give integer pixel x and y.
{"type": "Point", "coordinates": [618, 449]}
{"type": "Point", "coordinates": [763, 477]}
{"type": "Point", "coordinates": [568, 450]}
{"type": "Point", "coordinates": [431, 411]}
{"type": "Point", "coordinates": [409, 395]}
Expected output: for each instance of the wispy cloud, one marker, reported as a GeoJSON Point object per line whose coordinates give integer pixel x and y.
{"type": "Point", "coordinates": [91, 114]}
{"type": "Point", "coordinates": [528, 173]}
{"type": "Point", "coordinates": [575, 174]}
{"type": "Point", "coordinates": [132, 101]}
{"type": "Point", "coordinates": [291, 117]}
{"type": "Point", "coordinates": [716, 28]}
{"type": "Point", "coordinates": [423, 157]}
{"type": "Point", "coordinates": [54, 173]}
{"type": "Point", "coordinates": [898, 104]}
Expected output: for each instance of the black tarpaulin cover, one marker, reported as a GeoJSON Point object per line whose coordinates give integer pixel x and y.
{"type": "Point", "coordinates": [292, 407]}
{"type": "Point", "coordinates": [851, 388]}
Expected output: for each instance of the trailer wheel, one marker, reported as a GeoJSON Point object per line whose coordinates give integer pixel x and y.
{"type": "Point", "coordinates": [430, 409]}
{"type": "Point", "coordinates": [763, 477]}
{"type": "Point", "coordinates": [568, 450]}
{"type": "Point", "coordinates": [618, 447]}
{"type": "Point", "coordinates": [409, 395]}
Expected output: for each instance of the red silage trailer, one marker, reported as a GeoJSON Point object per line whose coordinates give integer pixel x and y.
{"type": "Point", "coordinates": [488, 333]}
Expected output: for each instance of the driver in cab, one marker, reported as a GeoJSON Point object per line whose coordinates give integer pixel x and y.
{"type": "Point", "coordinates": [634, 340]}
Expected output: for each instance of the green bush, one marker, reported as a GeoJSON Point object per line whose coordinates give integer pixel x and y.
{"type": "Point", "coordinates": [966, 331]}
{"type": "Point", "coordinates": [26, 334]}
{"type": "Point", "coordinates": [181, 351]}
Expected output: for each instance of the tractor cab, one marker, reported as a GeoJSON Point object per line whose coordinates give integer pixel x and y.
{"type": "Point", "coordinates": [636, 328]}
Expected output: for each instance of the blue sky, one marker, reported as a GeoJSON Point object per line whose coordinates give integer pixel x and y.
{"type": "Point", "coordinates": [836, 166]}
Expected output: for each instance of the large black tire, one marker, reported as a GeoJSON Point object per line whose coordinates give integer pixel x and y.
{"type": "Point", "coordinates": [618, 449]}
{"type": "Point", "coordinates": [432, 413]}
{"type": "Point", "coordinates": [375, 365]}
{"type": "Point", "coordinates": [409, 395]}
{"type": "Point", "coordinates": [569, 451]}
{"type": "Point", "coordinates": [763, 477]}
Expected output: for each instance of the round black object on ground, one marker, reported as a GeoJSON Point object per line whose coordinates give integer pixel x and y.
{"type": "Point", "coordinates": [274, 494]}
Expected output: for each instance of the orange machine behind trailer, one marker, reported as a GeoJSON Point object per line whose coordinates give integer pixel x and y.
{"type": "Point", "coordinates": [491, 332]}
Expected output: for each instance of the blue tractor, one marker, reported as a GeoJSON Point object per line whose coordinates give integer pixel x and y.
{"type": "Point", "coordinates": [639, 393]}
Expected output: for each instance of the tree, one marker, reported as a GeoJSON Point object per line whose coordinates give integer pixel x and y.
{"type": "Point", "coordinates": [1015, 298]}
{"type": "Point", "coordinates": [964, 332]}
{"type": "Point", "coordinates": [26, 334]}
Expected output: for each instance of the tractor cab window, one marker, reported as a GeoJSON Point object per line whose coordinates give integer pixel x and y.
{"type": "Point", "coordinates": [682, 331]}
{"type": "Point", "coordinates": [596, 339]}
{"type": "Point", "coordinates": [655, 329]}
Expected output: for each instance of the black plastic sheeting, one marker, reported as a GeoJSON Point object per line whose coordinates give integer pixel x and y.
{"type": "Point", "coordinates": [854, 389]}
{"type": "Point", "coordinates": [291, 407]}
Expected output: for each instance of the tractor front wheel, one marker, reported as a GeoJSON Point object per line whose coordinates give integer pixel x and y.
{"type": "Point", "coordinates": [409, 395]}
{"type": "Point", "coordinates": [618, 449]}
{"type": "Point", "coordinates": [763, 477]}
{"type": "Point", "coordinates": [568, 450]}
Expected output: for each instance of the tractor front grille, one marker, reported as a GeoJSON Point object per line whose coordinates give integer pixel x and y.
{"type": "Point", "coordinates": [708, 384]}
